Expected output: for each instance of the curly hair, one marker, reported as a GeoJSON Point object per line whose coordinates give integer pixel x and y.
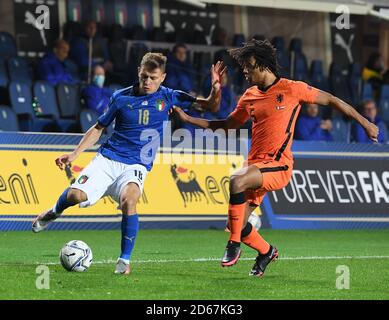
{"type": "Point", "coordinates": [262, 50]}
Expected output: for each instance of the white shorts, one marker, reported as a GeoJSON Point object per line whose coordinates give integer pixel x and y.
{"type": "Point", "coordinates": [105, 177]}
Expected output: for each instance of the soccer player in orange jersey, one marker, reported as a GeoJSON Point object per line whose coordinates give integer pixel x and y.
{"type": "Point", "coordinates": [273, 104]}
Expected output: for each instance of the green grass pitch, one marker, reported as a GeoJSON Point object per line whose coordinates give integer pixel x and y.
{"type": "Point", "coordinates": [184, 264]}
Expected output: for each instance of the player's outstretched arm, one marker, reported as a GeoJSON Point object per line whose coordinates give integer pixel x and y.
{"type": "Point", "coordinates": [212, 102]}
{"type": "Point", "coordinates": [325, 98]}
{"type": "Point", "coordinates": [88, 140]}
{"type": "Point", "coordinates": [225, 124]}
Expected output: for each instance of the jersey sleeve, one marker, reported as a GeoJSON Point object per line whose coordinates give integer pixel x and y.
{"type": "Point", "coordinates": [182, 99]}
{"type": "Point", "coordinates": [241, 113]}
{"type": "Point", "coordinates": [304, 92]}
{"type": "Point", "coordinates": [106, 118]}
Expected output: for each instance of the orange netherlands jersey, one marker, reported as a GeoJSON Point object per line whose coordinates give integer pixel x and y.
{"type": "Point", "coordinates": [273, 113]}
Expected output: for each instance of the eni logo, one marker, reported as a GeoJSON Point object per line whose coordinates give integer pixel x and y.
{"type": "Point", "coordinates": [20, 187]}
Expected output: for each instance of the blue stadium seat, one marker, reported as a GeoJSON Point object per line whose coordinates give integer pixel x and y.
{"type": "Point", "coordinates": [339, 87]}
{"type": "Point", "coordinates": [8, 119]}
{"type": "Point", "coordinates": [7, 45]}
{"type": "Point", "coordinates": [296, 45]}
{"type": "Point", "coordinates": [319, 81]}
{"type": "Point", "coordinates": [279, 43]}
{"type": "Point", "coordinates": [384, 92]}
{"type": "Point", "coordinates": [355, 82]}
{"type": "Point", "coordinates": [340, 130]}
{"type": "Point", "coordinates": [316, 67]}
{"type": "Point", "coordinates": [21, 102]}
{"type": "Point", "coordinates": [238, 40]}
{"type": "Point", "coordinates": [367, 91]}
{"type": "Point", "coordinates": [3, 74]}
{"type": "Point", "coordinates": [300, 69]}
{"type": "Point", "coordinates": [68, 100]}
{"type": "Point", "coordinates": [45, 93]}
{"type": "Point", "coordinates": [18, 70]}
{"type": "Point", "coordinates": [383, 109]}
{"type": "Point", "coordinates": [88, 118]}
{"type": "Point", "coordinates": [283, 61]}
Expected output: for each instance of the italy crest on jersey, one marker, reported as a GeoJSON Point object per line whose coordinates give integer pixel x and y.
{"type": "Point", "coordinates": [160, 104]}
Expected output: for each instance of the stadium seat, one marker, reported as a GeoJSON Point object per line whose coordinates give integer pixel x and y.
{"type": "Point", "coordinates": [8, 119]}
{"type": "Point", "coordinates": [316, 67]}
{"type": "Point", "coordinates": [238, 39]}
{"type": "Point", "coordinates": [138, 33]}
{"type": "Point", "coordinates": [7, 45]}
{"type": "Point", "coordinates": [383, 109]}
{"type": "Point", "coordinates": [384, 92]}
{"type": "Point", "coordinates": [279, 43]}
{"type": "Point", "coordinates": [45, 94]}
{"type": "Point", "coordinates": [367, 91]}
{"type": "Point", "coordinates": [158, 35]}
{"type": "Point", "coordinates": [296, 45]}
{"type": "Point", "coordinates": [88, 118]}
{"type": "Point", "coordinates": [3, 74]}
{"type": "Point", "coordinates": [355, 82]}
{"type": "Point", "coordinates": [21, 102]}
{"type": "Point", "coordinates": [68, 100]}
{"type": "Point", "coordinates": [340, 88]}
{"type": "Point", "coordinates": [300, 69]}
{"type": "Point", "coordinates": [283, 61]}
{"type": "Point", "coordinates": [18, 70]}
{"type": "Point", "coordinates": [317, 77]}
{"type": "Point", "coordinates": [340, 130]}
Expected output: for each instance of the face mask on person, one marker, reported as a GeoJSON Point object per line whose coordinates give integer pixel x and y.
{"type": "Point", "coordinates": [98, 80]}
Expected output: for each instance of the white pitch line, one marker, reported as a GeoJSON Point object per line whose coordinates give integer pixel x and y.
{"type": "Point", "coordinates": [212, 259]}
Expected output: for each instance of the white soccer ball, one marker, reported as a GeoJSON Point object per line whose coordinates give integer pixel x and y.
{"type": "Point", "coordinates": [76, 256]}
{"type": "Point", "coordinates": [255, 220]}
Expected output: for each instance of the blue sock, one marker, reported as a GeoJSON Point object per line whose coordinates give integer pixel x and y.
{"type": "Point", "coordinates": [62, 202]}
{"type": "Point", "coordinates": [130, 226]}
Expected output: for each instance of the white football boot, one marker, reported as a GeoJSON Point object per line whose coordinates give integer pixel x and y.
{"type": "Point", "coordinates": [42, 221]}
{"type": "Point", "coordinates": [122, 267]}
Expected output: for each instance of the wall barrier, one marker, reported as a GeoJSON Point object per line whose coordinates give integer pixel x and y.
{"type": "Point", "coordinates": [333, 186]}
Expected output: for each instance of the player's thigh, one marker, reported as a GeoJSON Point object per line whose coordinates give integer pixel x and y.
{"type": "Point", "coordinates": [94, 179]}
{"type": "Point", "coordinates": [275, 175]}
{"type": "Point", "coordinates": [246, 178]}
{"type": "Point", "coordinates": [129, 196]}
{"type": "Point", "coordinates": [129, 184]}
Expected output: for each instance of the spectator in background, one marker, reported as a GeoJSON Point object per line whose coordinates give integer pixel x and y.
{"type": "Point", "coordinates": [95, 95]}
{"type": "Point", "coordinates": [369, 111]}
{"type": "Point", "coordinates": [179, 73]}
{"type": "Point", "coordinates": [311, 127]}
{"type": "Point", "coordinates": [227, 104]}
{"type": "Point", "coordinates": [375, 71]}
{"type": "Point", "coordinates": [52, 68]}
{"type": "Point", "coordinates": [79, 50]}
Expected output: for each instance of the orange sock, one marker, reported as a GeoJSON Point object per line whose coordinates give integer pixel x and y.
{"type": "Point", "coordinates": [254, 240]}
{"type": "Point", "coordinates": [235, 220]}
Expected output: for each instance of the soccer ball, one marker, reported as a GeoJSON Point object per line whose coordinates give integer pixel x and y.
{"type": "Point", "coordinates": [76, 256]}
{"type": "Point", "coordinates": [255, 220]}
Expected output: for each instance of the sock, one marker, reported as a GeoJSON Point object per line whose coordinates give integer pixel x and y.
{"type": "Point", "coordinates": [62, 202]}
{"type": "Point", "coordinates": [130, 226]}
{"type": "Point", "coordinates": [236, 211]}
{"type": "Point", "coordinates": [253, 239]}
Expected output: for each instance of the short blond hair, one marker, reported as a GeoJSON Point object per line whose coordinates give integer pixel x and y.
{"type": "Point", "coordinates": [154, 60]}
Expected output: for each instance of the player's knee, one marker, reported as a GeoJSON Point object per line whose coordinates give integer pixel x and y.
{"type": "Point", "coordinates": [237, 184]}
{"type": "Point", "coordinates": [128, 205]}
{"type": "Point", "coordinates": [76, 196]}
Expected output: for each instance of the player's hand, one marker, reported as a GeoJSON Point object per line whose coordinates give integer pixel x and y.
{"type": "Point", "coordinates": [372, 131]}
{"type": "Point", "coordinates": [181, 114]}
{"type": "Point", "coordinates": [217, 71]}
{"type": "Point", "coordinates": [65, 160]}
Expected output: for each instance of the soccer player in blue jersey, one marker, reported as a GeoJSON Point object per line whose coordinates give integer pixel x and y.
{"type": "Point", "coordinates": [120, 166]}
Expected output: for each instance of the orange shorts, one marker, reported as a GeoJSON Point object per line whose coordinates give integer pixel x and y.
{"type": "Point", "coordinates": [276, 175]}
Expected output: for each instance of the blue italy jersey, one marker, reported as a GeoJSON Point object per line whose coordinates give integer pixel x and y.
{"type": "Point", "coordinates": [139, 123]}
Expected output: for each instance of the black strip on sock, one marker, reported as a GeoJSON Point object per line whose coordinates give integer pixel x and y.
{"type": "Point", "coordinates": [246, 230]}
{"type": "Point", "coordinates": [237, 198]}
